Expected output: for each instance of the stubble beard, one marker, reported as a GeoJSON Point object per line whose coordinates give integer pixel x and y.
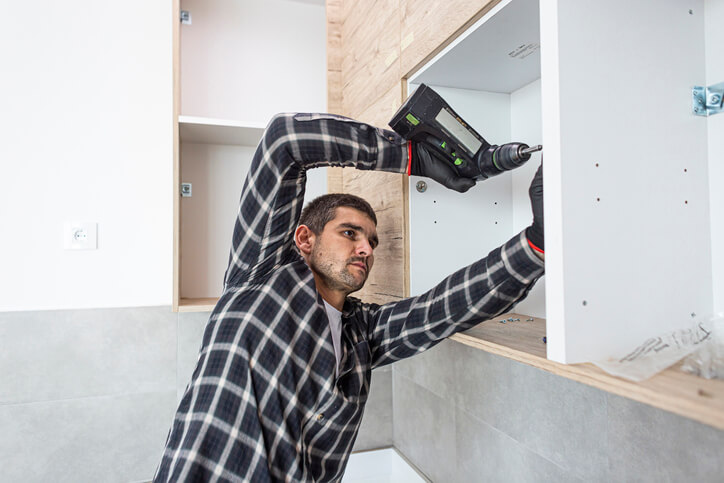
{"type": "Point", "coordinates": [336, 279]}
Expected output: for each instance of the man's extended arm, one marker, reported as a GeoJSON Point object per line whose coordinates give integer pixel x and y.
{"type": "Point", "coordinates": [274, 189]}
{"type": "Point", "coordinates": [469, 296]}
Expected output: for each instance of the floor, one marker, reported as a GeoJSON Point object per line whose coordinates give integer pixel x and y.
{"type": "Point", "coordinates": [380, 466]}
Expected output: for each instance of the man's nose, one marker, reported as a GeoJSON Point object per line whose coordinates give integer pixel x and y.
{"type": "Point", "coordinates": [364, 249]}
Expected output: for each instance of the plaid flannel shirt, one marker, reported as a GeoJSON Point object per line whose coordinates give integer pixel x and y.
{"type": "Point", "coordinates": [264, 403]}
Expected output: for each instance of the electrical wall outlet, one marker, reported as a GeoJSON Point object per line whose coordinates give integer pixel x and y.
{"type": "Point", "coordinates": [81, 235]}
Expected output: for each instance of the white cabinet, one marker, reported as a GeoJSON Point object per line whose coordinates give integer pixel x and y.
{"type": "Point", "coordinates": [633, 210]}
{"type": "Point", "coordinates": [238, 63]}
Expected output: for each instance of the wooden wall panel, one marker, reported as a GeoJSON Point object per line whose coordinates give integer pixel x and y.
{"type": "Point", "coordinates": [370, 53]}
{"type": "Point", "coordinates": [374, 45]}
{"type": "Point", "coordinates": [334, 78]}
{"type": "Point", "coordinates": [387, 193]}
{"type": "Point", "coordinates": [428, 26]}
{"type": "Point", "coordinates": [387, 278]}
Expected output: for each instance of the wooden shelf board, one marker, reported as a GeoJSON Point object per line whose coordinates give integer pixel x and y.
{"type": "Point", "coordinates": [203, 130]}
{"type": "Point", "coordinates": [671, 390]}
{"type": "Point", "coordinates": [197, 305]}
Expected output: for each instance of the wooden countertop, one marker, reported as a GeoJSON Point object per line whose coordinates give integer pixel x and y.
{"type": "Point", "coordinates": [671, 390]}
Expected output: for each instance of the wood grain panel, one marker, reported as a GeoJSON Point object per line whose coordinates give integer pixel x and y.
{"type": "Point", "coordinates": [383, 191]}
{"type": "Point", "coordinates": [334, 92]}
{"type": "Point", "coordinates": [379, 113]}
{"type": "Point", "coordinates": [387, 193]}
{"type": "Point", "coordinates": [334, 78]}
{"type": "Point", "coordinates": [428, 27]}
{"type": "Point", "coordinates": [333, 11]}
{"type": "Point", "coordinates": [371, 53]}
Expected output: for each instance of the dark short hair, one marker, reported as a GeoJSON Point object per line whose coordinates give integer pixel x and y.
{"type": "Point", "coordinates": [322, 210]}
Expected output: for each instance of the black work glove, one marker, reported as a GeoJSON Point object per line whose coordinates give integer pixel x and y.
{"type": "Point", "coordinates": [425, 161]}
{"type": "Point", "coordinates": [535, 231]}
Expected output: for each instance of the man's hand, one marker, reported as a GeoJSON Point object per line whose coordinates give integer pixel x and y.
{"type": "Point", "coordinates": [424, 161]}
{"type": "Point", "coordinates": [535, 231]}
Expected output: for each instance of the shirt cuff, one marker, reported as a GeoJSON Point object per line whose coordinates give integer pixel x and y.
{"type": "Point", "coordinates": [521, 261]}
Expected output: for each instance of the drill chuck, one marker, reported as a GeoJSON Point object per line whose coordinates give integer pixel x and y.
{"type": "Point", "coordinates": [496, 159]}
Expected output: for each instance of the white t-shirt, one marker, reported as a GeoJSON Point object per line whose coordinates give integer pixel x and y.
{"type": "Point", "coordinates": [335, 324]}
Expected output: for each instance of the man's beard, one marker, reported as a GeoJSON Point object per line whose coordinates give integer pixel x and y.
{"type": "Point", "coordinates": [337, 279]}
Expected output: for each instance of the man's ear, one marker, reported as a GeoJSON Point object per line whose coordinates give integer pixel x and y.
{"type": "Point", "coordinates": [304, 239]}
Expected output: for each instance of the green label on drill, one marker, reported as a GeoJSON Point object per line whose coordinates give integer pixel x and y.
{"type": "Point", "coordinates": [458, 162]}
{"type": "Point", "coordinates": [415, 121]}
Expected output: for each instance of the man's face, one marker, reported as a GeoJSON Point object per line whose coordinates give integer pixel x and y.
{"type": "Point", "coordinates": [342, 254]}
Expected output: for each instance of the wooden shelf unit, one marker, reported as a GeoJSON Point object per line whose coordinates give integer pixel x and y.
{"type": "Point", "coordinates": [222, 147]}
{"type": "Point", "coordinates": [224, 96]}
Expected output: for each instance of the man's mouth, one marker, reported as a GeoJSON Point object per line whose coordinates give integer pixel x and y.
{"type": "Point", "coordinates": [359, 264]}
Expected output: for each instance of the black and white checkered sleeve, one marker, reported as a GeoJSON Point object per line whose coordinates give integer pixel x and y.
{"type": "Point", "coordinates": [469, 296]}
{"type": "Point", "coordinates": [272, 197]}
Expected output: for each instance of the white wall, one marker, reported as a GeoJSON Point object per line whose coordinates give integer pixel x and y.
{"type": "Point", "coordinates": [715, 74]}
{"type": "Point", "coordinates": [87, 134]}
{"type": "Point", "coordinates": [250, 59]}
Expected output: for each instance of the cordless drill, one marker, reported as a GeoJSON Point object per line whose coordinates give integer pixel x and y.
{"type": "Point", "coordinates": [426, 117]}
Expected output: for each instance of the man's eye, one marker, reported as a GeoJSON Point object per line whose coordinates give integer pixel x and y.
{"type": "Point", "coordinates": [349, 233]}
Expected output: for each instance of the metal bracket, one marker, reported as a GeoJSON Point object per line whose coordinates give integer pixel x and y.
{"type": "Point", "coordinates": [707, 101]}
{"type": "Point", "coordinates": [185, 17]}
{"type": "Point", "coordinates": [186, 190]}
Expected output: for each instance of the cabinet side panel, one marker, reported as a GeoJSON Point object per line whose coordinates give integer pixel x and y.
{"type": "Point", "coordinates": [636, 256]}
{"type": "Point", "coordinates": [525, 126]}
{"type": "Point", "coordinates": [714, 74]}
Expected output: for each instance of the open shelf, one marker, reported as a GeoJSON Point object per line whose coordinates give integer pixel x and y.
{"type": "Point", "coordinates": [672, 390]}
{"type": "Point", "coordinates": [197, 305]}
{"type": "Point", "coordinates": [203, 130]}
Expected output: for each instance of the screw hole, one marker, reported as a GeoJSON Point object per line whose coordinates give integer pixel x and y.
{"type": "Point", "coordinates": [585, 303]}
{"type": "Point", "coordinates": [598, 199]}
{"type": "Point", "coordinates": [597, 165]}
{"type": "Point", "coordinates": [686, 202]}
{"type": "Point", "coordinates": [691, 12]}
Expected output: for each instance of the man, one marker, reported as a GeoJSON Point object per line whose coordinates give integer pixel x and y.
{"type": "Point", "coordinates": [284, 369]}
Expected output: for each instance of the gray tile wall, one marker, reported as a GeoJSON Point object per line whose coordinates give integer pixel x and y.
{"type": "Point", "coordinates": [86, 395]}
{"type": "Point", "coordinates": [376, 429]}
{"type": "Point", "coordinates": [461, 414]}
{"type": "Point", "coordinates": [89, 395]}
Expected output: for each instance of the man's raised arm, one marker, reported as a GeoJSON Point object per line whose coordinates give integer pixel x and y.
{"type": "Point", "coordinates": [274, 189]}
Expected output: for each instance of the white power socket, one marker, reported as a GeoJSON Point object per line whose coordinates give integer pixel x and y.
{"type": "Point", "coordinates": [81, 235]}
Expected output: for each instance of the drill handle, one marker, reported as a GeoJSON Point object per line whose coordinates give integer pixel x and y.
{"type": "Point", "coordinates": [454, 156]}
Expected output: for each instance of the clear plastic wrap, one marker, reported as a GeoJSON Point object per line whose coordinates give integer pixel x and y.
{"type": "Point", "coordinates": [657, 353]}
{"type": "Point", "coordinates": [708, 360]}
